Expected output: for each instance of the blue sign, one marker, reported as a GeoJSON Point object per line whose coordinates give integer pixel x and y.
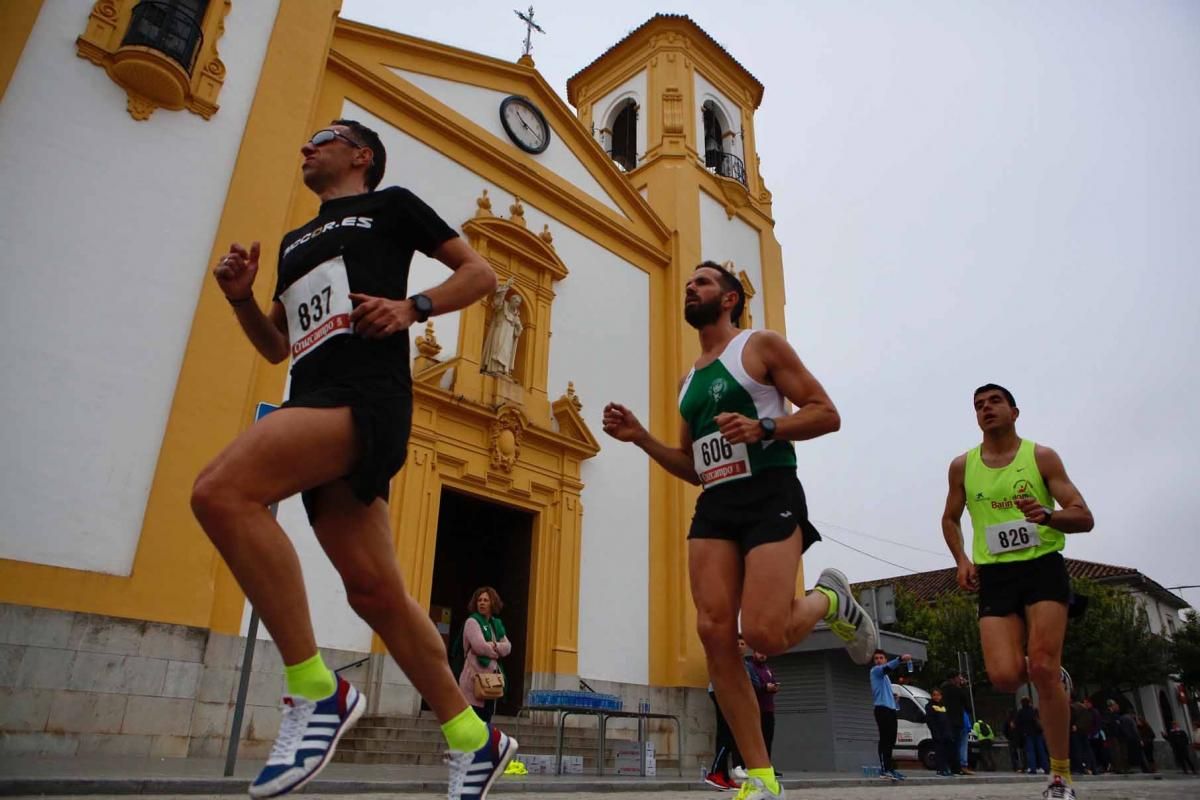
{"type": "Point", "coordinates": [262, 409]}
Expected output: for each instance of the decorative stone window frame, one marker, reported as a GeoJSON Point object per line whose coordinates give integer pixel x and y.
{"type": "Point", "coordinates": [152, 79]}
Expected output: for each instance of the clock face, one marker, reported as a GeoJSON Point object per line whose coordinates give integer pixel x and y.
{"type": "Point", "coordinates": [524, 124]}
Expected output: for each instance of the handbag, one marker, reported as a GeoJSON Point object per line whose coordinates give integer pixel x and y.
{"type": "Point", "coordinates": [489, 685]}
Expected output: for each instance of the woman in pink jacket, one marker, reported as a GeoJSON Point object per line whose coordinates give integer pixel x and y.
{"type": "Point", "coordinates": [484, 643]}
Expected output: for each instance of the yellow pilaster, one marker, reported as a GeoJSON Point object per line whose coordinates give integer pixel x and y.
{"type": "Point", "coordinates": [16, 22]}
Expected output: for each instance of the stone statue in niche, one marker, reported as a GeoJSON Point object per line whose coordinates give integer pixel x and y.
{"type": "Point", "coordinates": [504, 331]}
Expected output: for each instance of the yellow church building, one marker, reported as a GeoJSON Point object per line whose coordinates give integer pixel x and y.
{"type": "Point", "coordinates": [137, 140]}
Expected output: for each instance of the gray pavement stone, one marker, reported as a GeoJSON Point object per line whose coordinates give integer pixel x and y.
{"type": "Point", "coordinates": [39, 627]}
{"type": "Point", "coordinates": [158, 715]}
{"type": "Point", "coordinates": [182, 679]}
{"type": "Point", "coordinates": [45, 668]}
{"type": "Point", "coordinates": [10, 661]}
{"type": "Point", "coordinates": [93, 633]}
{"type": "Point", "coordinates": [24, 709]}
{"type": "Point", "coordinates": [173, 642]}
{"type": "Point", "coordinates": [86, 712]}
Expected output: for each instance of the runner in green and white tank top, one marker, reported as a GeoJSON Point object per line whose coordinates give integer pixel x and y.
{"type": "Point", "coordinates": [751, 522]}
{"type": "Point", "coordinates": [724, 386]}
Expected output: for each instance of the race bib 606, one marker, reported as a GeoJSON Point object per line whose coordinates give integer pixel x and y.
{"type": "Point", "coordinates": [318, 307]}
{"type": "Point", "coordinates": [1007, 537]}
{"type": "Point", "coordinates": [717, 460]}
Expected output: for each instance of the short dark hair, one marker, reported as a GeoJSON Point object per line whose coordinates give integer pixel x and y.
{"type": "Point", "coordinates": [879, 652]}
{"type": "Point", "coordinates": [952, 674]}
{"type": "Point", "coordinates": [730, 283]}
{"type": "Point", "coordinates": [369, 139]}
{"type": "Point", "coordinates": [990, 387]}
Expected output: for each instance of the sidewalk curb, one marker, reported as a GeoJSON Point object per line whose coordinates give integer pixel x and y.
{"type": "Point", "coordinates": [12, 787]}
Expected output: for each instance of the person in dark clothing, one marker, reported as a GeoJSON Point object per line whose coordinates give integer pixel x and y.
{"type": "Point", "coordinates": [1015, 744]}
{"type": "Point", "coordinates": [765, 689]}
{"type": "Point", "coordinates": [1146, 735]}
{"type": "Point", "coordinates": [956, 702]}
{"type": "Point", "coordinates": [1081, 748]}
{"type": "Point", "coordinates": [718, 771]}
{"type": "Point", "coordinates": [1096, 738]}
{"type": "Point", "coordinates": [1132, 741]}
{"type": "Point", "coordinates": [1030, 726]}
{"type": "Point", "coordinates": [1114, 737]}
{"type": "Point", "coordinates": [1181, 747]}
{"type": "Point", "coordinates": [945, 748]}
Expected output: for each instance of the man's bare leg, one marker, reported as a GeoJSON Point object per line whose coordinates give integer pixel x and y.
{"type": "Point", "coordinates": [773, 618]}
{"type": "Point", "coordinates": [1047, 628]}
{"type": "Point", "coordinates": [1003, 640]}
{"type": "Point", "coordinates": [358, 540]}
{"type": "Point", "coordinates": [715, 569]}
{"type": "Point", "coordinates": [289, 451]}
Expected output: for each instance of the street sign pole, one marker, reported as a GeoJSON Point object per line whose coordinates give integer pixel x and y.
{"type": "Point", "coordinates": [239, 708]}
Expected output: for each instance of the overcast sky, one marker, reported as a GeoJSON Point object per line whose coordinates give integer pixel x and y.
{"type": "Point", "coordinates": [965, 192]}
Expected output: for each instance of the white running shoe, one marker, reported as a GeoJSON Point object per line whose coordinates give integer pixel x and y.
{"type": "Point", "coordinates": [739, 774]}
{"type": "Point", "coordinates": [308, 734]}
{"type": "Point", "coordinates": [851, 623]}
{"type": "Point", "coordinates": [1057, 790]}
{"type": "Point", "coordinates": [472, 774]}
{"type": "Point", "coordinates": [755, 789]}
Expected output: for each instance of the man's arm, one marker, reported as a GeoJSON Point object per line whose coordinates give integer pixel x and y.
{"type": "Point", "coordinates": [621, 424]}
{"type": "Point", "coordinates": [956, 503]}
{"type": "Point", "coordinates": [1074, 516]}
{"type": "Point", "coordinates": [235, 274]}
{"type": "Point", "coordinates": [379, 317]}
{"type": "Point", "coordinates": [769, 354]}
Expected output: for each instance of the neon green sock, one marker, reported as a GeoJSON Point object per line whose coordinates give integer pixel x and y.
{"type": "Point", "coordinates": [767, 776]}
{"type": "Point", "coordinates": [1062, 768]}
{"type": "Point", "coordinates": [310, 679]}
{"type": "Point", "coordinates": [833, 602]}
{"type": "Point", "coordinates": [466, 733]}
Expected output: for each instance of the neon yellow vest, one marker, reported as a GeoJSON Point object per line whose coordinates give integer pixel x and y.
{"type": "Point", "coordinates": [990, 500]}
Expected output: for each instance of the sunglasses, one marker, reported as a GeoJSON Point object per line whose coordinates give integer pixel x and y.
{"type": "Point", "coordinates": [328, 135]}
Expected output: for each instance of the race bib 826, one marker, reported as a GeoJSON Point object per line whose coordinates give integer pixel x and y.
{"type": "Point", "coordinates": [1008, 537]}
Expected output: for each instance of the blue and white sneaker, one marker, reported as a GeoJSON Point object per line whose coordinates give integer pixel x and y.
{"type": "Point", "coordinates": [308, 735]}
{"type": "Point", "coordinates": [898, 775]}
{"type": "Point", "coordinates": [472, 774]}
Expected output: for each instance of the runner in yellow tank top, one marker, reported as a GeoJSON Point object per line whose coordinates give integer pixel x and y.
{"type": "Point", "coordinates": [751, 522]}
{"type": "Point", "coordinates": [1010, 486]}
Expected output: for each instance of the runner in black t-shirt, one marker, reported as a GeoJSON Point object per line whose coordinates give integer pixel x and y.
{"type": "Point", "coordinates": [340, 311]}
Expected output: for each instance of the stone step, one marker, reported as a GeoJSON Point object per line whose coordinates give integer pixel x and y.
{"type": "Point", "coordinates": [353, 741]}
{"type": "Point", "coordinates": [347, 756]}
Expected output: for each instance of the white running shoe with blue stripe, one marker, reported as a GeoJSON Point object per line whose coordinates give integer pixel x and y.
{"type": "Point", "coordinates": [308, 735]}
{"type": "Point", "coordinates": [850, 622]}
{"type": "Point", "coordinates": [472, 774]}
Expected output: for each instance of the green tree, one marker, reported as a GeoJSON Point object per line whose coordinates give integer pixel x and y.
{"type": "Point", "coordinates": [949, 625]}
{"type": "Point", "coordinates": [1185, 652]}
{"type": "Point", "coordinates": [1112, 646]}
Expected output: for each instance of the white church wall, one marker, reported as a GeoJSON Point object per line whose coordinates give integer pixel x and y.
{"type": "Point", "coordinates": [113, 221]}
{"type": "Point", "coordinates": [607, 107]}
{"type": "Point", "coordinates": [603, 298]}
{"type": "Point", "coordinates": [482, 106]}
{"type": "Point", "coordinates": [729, 110]}
{"type": "Point", "coordinates": [723, 239]}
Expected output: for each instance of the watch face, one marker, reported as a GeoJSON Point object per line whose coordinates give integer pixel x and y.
{"type": "Point", "coordinates": [524, 124]}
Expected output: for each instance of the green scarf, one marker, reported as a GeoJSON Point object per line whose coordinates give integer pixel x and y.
{"type": "Point", "coordinates": [493, 631]}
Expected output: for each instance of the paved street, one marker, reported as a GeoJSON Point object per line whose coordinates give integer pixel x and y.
{"type": "Point", "coordinates": [1133, 789]}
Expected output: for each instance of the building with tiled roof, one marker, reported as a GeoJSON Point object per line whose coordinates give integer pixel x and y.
{"type": "Point", "coordinates": [935, 583]}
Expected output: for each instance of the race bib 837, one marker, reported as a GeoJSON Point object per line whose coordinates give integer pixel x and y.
{"type": "Point", "coordinates": [318, 307]}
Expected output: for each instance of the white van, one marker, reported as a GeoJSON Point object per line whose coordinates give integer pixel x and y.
{"type": "Point", "coordinates": [913, 742]}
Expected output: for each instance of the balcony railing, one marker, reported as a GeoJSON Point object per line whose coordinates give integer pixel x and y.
{"type": "Point", "coordinates": [167, 28]}
{"type": "Point", "coordinates": [627, 160]}
{"type": "Point", "coordinates": [727, 165]}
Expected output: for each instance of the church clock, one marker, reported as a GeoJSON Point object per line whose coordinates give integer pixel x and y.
{"type": "Point", "coordinates": [524, 124]}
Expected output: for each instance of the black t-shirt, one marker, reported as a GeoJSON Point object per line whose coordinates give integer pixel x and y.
{"type": "Point", "coordinates": [375, 234]}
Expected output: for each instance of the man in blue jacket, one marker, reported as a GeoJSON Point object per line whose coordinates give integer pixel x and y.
{"type": "Point", "coordinates": [885, 711]}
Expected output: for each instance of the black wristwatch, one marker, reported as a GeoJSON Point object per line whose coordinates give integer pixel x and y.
{"type": "Point", "coordinates": [768, 427]}
{"type": "Point", "coordinates": [1049, 512]}
{"type": "Point", "coordinates": [423, 306]}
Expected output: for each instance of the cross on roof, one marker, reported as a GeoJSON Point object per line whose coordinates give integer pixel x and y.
{"type": "Point", "coordinates": [530, 27]}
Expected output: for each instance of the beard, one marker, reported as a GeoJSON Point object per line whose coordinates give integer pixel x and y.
{"type": "Point", "coordinates": [701, 314]}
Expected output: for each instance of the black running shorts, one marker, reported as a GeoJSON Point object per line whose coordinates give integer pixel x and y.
{"type": "Point", "coordinates": [1008, 588]}
{"type": "Point", "coordinates": [763, 508]}
{"type": "Point", "coordinates": [382, 417]}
